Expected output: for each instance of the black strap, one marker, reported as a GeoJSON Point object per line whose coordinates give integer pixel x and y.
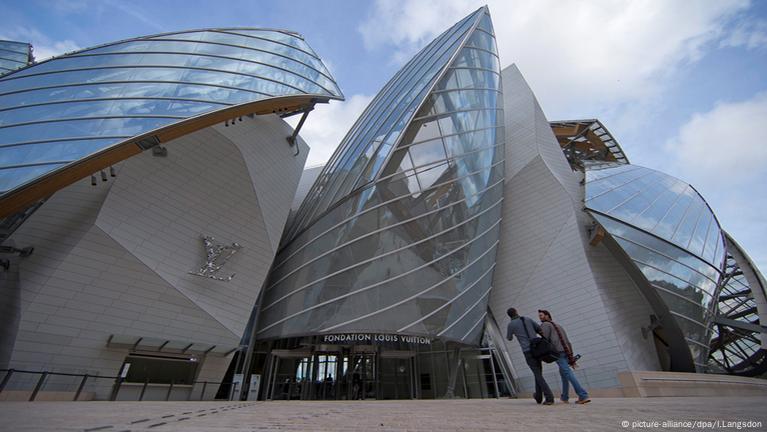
{"type": "Point", "coordinates": [524, 326]}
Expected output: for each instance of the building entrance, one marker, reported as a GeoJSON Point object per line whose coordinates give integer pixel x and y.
{"type": "Point", "coordinates": [396, 377]}
{"type": "Point", "coordinates": [308, 369]}
{"type": "Point", "coordinates": [339, 375]}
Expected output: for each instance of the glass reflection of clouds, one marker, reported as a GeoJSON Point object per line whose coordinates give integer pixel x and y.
{"type": "Point", "coordinates": [399, 231]}
{"type": "Point", "coordinates": [688, 286]}
{"type": "Point", "coordinates": [62, 110]}
{"type": "Point", "coordinates": [656, 203]}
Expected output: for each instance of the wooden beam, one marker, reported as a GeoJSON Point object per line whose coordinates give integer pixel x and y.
{"type": "Point", "coordinates": [597, 236]}
{"type": "Point", "coordinates": [45, 186]}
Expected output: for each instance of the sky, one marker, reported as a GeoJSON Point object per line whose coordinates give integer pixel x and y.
{"type": "Point", "coordinates": [682, 85]}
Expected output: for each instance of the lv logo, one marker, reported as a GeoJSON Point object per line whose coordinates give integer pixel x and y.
{"type": "Point", "coordinates": [216, 255]}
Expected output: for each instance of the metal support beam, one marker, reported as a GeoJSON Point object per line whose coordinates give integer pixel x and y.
{"type": "Point", "coordinates": [740, 325]}
{"type": "Point", "coordinates": [292, 138]}
{"type": "Point", "coordinates": [135, 345]}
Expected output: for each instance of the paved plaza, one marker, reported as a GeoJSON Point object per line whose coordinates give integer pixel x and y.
{"type": "Point", "coordinates": [374, 416]}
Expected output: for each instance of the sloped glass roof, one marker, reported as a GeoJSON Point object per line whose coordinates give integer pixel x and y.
{"type": "Point", "coordinates": [58, 112]}
{"type": "Point", "coordinates": [656, 203]}
{"type": "Point", "coordinates": [411, 247]}
{"type": "Point", "coordinates": [14, 55]}
{"type": "Point", "coordinates": [363, 151]}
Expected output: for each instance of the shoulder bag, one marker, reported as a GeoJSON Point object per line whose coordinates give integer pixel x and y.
{"type": "Point", "coordinates": [540, 347]}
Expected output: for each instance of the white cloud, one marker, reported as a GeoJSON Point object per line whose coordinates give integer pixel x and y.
{"type": "Point", "coordinates": [748, 34]}
{"type": "Point", "coordinates": [604, 52]}
{"type": "Point", "coordinates": [44, 51]}
{"type": "Point", "coordinates": [615, 59]}
{"type": "Point", "coordinates": [728, 138]}
{"type": "Point", "coordinates": [721, 153]}
{"type": "Point", "coordinates": [43, 46]}
{"type": "Point", "coordinates": [327, 124]}
{"type": "Point", "coordinates": [409, 25]}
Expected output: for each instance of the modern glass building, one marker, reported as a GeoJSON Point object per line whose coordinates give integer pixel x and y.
{"type": "Point", "coordinates": [144, 187]}
{"type": "Point", "coordinates": [395, 242]}
{"type": "Point", "coordinates": [156, 224]}
{"type": "Point", "coordinates": [87, 110]}
{"type": "Point", "coordinates": [673, 238]}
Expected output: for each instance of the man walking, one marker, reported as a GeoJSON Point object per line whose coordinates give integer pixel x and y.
{"type": "Point", "coordinates": [557, 336]}
{"type": "Point", "coordinates": [524, 329]}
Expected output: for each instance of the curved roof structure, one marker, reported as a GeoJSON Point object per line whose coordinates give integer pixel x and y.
{"type": "Point", "coordinates": [583, 140]}
{"type": "Point", "coordinates": [657, 203]}
{"type": "Point", "coordinates": [399, 233]}
{"type": "Point", "coordinates": [368, 144]}
{"type": "Point", "coordinates": [671, 237]}
{"type": "Point", "coordinates": [70, 116]}
{"type": "Point", "coordinates": [14, 55]}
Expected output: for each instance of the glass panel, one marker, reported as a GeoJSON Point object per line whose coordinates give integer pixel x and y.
{"type": "Point", "coordinates": [105, 127]}
{"type": "Point", "coordinates": [431, 151]}
{"type": "Point", "coordinates": [104, 108]}
{"type": "Point", "coordinates": [55, 151]}
{"type": "Point", "coordinates": [653, 202]}
{"type": "Point", "coordinates": [13, 177]}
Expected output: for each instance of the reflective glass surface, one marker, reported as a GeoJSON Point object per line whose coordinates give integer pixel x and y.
{"type": "Point", "coordinates": [410, 243]}
{"type": "Point", "coordinates": [658, 204]}
{"type": "Point", "coordinates": [368, 144]}
{"type": "Point", "coordinates": [14, 55]}
{"type": "Point", "coordinates": [688, 285]}
{"type": "Point", "coordinates": [62, 110]}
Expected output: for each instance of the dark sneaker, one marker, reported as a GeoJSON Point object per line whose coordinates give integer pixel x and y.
{"type": "Point", "coordinates": [538, 398]}
{"type": "Point", "coordinates": [583, 401]}
{"type": "Point", "coordinates": [548, 402]}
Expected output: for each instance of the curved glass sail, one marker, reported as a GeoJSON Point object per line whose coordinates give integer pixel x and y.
{"type": "Point", "coordinates": [658, 204]}
{"type": "Point", "coordinates": [671, 236]}
{"type": "Point", "coordinates": [368, 144]}
{"type": "Point", "coordinates": [407, 241]}
{"type": "Point", "coordinates": [14, 55]}
{"type": "Point", "coordinates": [58, 112]}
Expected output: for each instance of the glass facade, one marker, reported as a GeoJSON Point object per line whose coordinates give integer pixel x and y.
{"type": "Point", "coordinates": [366, 147]}
{"type": "Point", "coordinates": [59, 111]}
{"type": "Point", "coordinates": [399, 233]}
{"type": "Point", "coordinates": [671, 236]}
{"type": "Point", "coordinates": [307, 369]}
{"type": "Point", "coordinates": [656, 203]}
{"type": "Point", "coordinates": [14, 55]}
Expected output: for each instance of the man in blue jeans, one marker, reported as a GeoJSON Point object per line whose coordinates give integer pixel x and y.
{"type": "Point", "coordinates": [524, 328]}
{"type": "Point", "coordinates": [557, 336]}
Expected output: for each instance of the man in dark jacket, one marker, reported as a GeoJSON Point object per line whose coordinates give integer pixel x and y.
{"type": "Point", "coordinates": [557, 336]}
{"type": "Point", "coordinates": [524, 329]}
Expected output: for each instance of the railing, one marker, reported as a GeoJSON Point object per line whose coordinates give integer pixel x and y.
{"type": "Point", "coordinates": [115, 382]}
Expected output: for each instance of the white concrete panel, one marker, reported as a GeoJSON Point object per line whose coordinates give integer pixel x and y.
{"type": "Point", "coordinates": [208, 184]}
{"type": "Point", "coordinates": [545, 261]}
{"type": "Point", "coordinates": [115, 258]}
{"type": "Point", "coordinates": [273, 164]}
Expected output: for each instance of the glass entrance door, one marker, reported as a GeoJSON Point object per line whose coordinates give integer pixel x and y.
{"type": "Point", "coordinates": [324, 384]}
{"type": "Point", "coordinates": [396, 378]}
{"type": "Point", "coordinates": [362, 376]}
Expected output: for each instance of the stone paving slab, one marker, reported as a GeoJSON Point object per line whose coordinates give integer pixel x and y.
{"type": "Point", "coordinates": [387, 416]}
